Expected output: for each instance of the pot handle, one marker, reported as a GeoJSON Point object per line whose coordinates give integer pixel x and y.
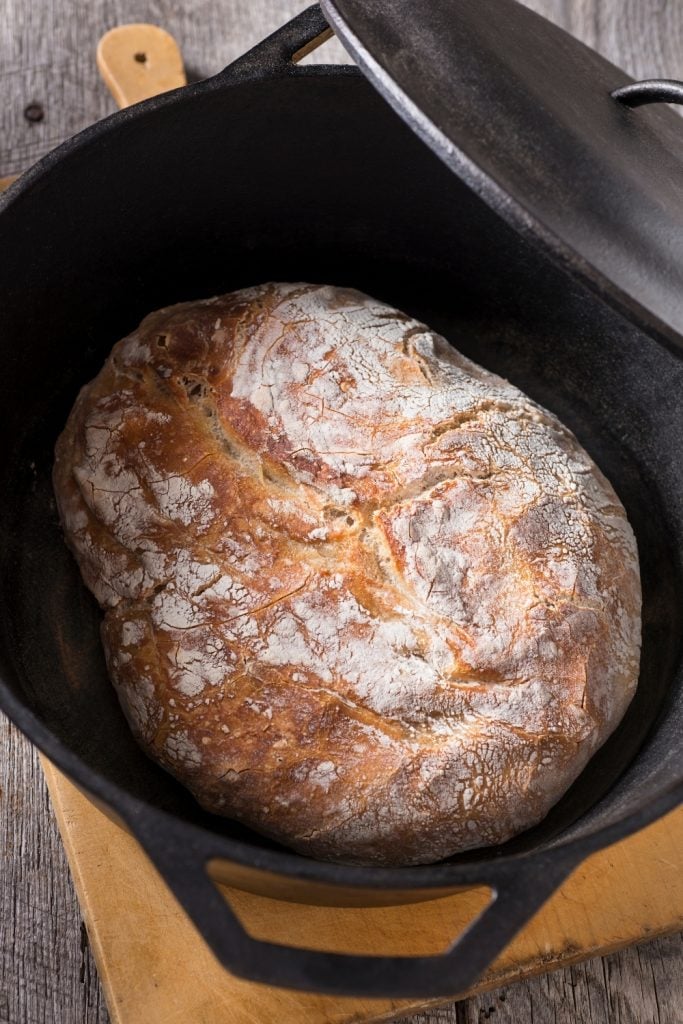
{"type": "Point", "coordinates": [278, 53]}
{"type": "Point", "coordinates": [519, 890]}
{"type": "Point", "coordinates": [652, 90]}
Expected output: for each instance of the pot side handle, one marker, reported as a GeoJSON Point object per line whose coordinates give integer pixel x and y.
{"type": "Point", "coordinates": [279, 53]}
{"type": "Point", "coordinates": [519, 890]}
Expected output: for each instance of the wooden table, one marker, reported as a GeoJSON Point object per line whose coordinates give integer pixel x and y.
{"type": "Point", "coordinates": [48, 90]}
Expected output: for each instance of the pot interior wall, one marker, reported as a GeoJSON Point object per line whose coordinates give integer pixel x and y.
{"type": "Point", "coordinates": [310, 178]}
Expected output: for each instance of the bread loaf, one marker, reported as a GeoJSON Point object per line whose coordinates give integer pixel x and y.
{"type": "Point", "coordinates": [359, 593]}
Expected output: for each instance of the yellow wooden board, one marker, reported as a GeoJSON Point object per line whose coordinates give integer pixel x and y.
{"type": "Point", "coordinates": [138, 61]}
{"type": "Point", "coordinates": [155, 968]}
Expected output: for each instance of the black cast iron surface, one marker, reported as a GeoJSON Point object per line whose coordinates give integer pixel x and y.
{"type": "Point", "coordinates": [523, 111]}
{"type": "Point", "coordinates": [653, 90]}
{"type": "Point", "coordinates": [272, 172]}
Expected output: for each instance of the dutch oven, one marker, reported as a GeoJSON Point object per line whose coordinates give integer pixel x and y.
{"type": "Point", "coordinates": [480, 173]}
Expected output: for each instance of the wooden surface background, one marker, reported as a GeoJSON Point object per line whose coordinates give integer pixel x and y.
{"type": "Point", "coordinates": [49, 89]}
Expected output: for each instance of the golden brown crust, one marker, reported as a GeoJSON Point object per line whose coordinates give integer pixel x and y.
{"type": "Point", "coordinates": [359, 593]}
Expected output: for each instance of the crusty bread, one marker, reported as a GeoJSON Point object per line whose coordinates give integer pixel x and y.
{"type": "Point", "coordinates": [359, 593]}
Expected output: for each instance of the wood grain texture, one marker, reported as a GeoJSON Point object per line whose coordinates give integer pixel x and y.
{"type": "Point", "coordinates": [144, 943]}
{"type": "Point", "coordinates": [138, 61]}
{"type": "Point", "coordinates": [47, 50]}
{"type": "Point", "coordinates": [47, 975]}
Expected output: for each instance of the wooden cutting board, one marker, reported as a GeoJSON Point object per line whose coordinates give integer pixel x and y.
{"type": "Point", "coordinates": [155, 968]}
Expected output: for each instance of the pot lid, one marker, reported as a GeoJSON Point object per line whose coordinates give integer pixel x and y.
{"type": "Point", "coordinates": [524, 113]}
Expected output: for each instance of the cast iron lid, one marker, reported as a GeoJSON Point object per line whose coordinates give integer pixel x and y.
{"type": "Point", "coordinates": [524, 113]}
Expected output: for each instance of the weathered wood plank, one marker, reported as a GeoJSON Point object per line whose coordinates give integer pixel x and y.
{"type": "Point", "coordinates": [46, 973]}
{"type": "Point", "coordinates": [47, 58]}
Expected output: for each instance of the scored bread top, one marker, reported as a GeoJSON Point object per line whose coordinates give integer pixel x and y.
{"type": "Point", "coordinates": [359, 593]}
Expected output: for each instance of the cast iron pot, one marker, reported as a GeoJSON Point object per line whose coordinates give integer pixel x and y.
{"type": "Point", "coordinates": [273, 171]}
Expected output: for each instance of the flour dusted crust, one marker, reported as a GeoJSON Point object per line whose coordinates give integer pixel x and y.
{"type": "Point", "coordinates": [358, 592]}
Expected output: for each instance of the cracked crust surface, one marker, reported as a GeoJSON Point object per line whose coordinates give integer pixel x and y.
{"type": "Point", "coordinates": [359, 593]}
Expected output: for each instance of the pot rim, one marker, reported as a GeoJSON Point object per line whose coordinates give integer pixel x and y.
{"type": "Point", "coordinates": [216, 845]}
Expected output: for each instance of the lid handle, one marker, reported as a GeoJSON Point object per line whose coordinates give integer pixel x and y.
{"type": "Point", "coordinates": [652, 90]}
